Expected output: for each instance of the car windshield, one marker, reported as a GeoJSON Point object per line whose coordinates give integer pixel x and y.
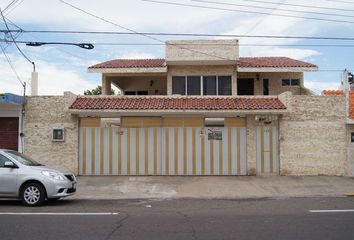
{"type": "Point", "coordinates": [23, 159]}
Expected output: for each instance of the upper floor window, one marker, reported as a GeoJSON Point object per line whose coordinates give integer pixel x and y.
{"type": "Point", "coordinates": [201, 85]}
{"type": "Point", "coordinates": [290, 82]}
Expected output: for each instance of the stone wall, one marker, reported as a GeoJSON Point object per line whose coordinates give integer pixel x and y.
{"type": "Point", "coordinates": [43, 113]}
{"type": "Point", "coordinates": [313, 137]}
{"type": "Point", "coordinates": [350, 150]}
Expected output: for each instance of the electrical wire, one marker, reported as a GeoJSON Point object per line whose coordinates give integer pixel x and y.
{"type": "Point", "coordinates": [10, 63]}
{"type": "Point", "coordinates": [13, 39]}
{"type": "Point", "coordinates": [138, 33]}
{"type": "Point", "coordinates": [273, 8]}
{"type": "Point", "coordinates": [302, 5]}
{"type": "Point", "coordinates": [247, 11]}
{"type": "Point", "coordinates": [182, 34]}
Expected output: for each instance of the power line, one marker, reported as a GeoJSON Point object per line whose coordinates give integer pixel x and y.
{"type": "Point", "coordinates": [247, 11]}
{"type": "Point", "coordinates": [10, 63]}
{"type": "Point", "coordinates": [272, 8]}
{"type": "Point", "coordinates": [188, 44]}
{"type": "Point", "coordinates": [138, 33]}
{"type": "Point", "coordinates": [13, 39]}
{"type": "Point", "coordinates": [301, 5]}
{"type": "Point", "coordinates": [181, 34]}
{"type": "Point", "coordinates": [340, 1]}
{"type": "Point", "coordinates": [10, 11]}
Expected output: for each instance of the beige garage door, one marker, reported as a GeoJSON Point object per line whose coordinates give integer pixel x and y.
{"type": "Point", "coordinates": [174, 146]}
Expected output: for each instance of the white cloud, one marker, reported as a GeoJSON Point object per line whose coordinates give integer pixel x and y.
{"type": "Point", "coordinates": [318, 87]}
{"type": "Point", "coordinates": [136, 54]}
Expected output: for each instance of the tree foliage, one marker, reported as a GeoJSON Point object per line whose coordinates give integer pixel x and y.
{"type": "Point", "coordinates": [97, 91]}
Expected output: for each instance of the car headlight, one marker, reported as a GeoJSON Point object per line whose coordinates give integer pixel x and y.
{"type": "Point", "coordinates": [54, 175]}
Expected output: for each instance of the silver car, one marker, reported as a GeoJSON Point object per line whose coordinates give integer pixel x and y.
{"type": "Point", "coordinates": [22, 177]}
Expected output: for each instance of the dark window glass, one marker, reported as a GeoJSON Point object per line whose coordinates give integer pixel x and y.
{"type": "Point", "coordinates": [3, 160]}
{"type": "Point", "coordinates": [295, 82]}
{"type": "Point", "coordinates": [179, 85]}
{"type": "Point", "coordinates": [265, 87]}
{"type": "Point", "coordinates": [193, 85]}
{"type": "Point", "coordinates": [285, 82]}
{"type": "Point", "coordinates": [129, 93]}
{"type": "Point", "coordinates": [142, 92]}
{"type": "Point", "coordinates": [209, 85]}
{"type": "Point", "coordinates": [224, 85]}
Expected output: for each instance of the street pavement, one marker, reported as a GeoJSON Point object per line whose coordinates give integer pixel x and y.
{"type": "Point", "coordinates": [267, 218]}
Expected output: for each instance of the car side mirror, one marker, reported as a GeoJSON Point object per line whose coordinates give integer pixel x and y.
{"type": "Point", "coordinates": [9, 164]}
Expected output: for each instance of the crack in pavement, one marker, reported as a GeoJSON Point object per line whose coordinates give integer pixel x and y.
{"type": "Point", "coordinates": [119, 225]}
{"type": "Point", "coordinates": [188, 219]}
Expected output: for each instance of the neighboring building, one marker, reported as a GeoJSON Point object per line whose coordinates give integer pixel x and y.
{"type": "Point", "coordinates": [201, 111]}
{"type": "Point", "coordinates": [10, 121]}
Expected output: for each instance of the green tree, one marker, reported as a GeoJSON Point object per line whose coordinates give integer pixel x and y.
{"type": "Point", "coordinates": [97, 91]}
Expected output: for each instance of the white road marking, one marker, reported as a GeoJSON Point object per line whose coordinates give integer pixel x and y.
{"type": "Point", "coordinates": [62, 214]}
{"type": "Point", "coordinates": [331, 211]}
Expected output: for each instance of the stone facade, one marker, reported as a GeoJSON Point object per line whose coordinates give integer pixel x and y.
{"type": "Point", "coordinates": [43, 113]}
{"type": "Point", "coordinates": [313, 137]}
{"type": "Point", "coordinates": [350, 149]}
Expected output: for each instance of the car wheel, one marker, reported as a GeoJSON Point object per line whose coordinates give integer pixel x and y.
{"type": "Point", "coordinates": [33, 194]}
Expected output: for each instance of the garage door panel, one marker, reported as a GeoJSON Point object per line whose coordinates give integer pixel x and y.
{"type": "Point", "coordinates": [161, 151]}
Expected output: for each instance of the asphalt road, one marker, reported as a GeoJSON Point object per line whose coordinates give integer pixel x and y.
{"type": "Point", "coordinates": [180, 219]}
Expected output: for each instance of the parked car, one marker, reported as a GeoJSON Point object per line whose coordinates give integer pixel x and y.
{"type": "Point", "coordinates": [24, 178]}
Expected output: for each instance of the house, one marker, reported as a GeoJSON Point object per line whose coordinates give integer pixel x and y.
{"type": "Point", "coordinates": [10, 121]}
{"type": "Point", "coordinates": [202, 110]}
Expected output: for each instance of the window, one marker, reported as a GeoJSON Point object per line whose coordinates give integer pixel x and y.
{"type": "Point", "coordinates": [193, 85]}
{"type": "Point", "coordinates": [290, 82]}
{"type": "Point", "coordinates": [205, 85]}
{"type": "Point", "coordinates": [224, 85]}
{"type": "Point", "coordinates": [209, 85]}
{"type": "Point", "coordinates": [3, 160]}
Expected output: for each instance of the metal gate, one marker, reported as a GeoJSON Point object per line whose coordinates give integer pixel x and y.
{"type": "Point", "coordinates": [162, 151]}
{"type": "Point", "coordinates": [267, 149]}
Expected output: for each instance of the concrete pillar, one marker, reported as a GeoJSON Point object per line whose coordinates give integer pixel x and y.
{"type": "Point", "coordinates": [34, 84]}
{"type": "Point", "coordinates": [234, 82]}
{"type": "Point", "coordinates": [106, 86]}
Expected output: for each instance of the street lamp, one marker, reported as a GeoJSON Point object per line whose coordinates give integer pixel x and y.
{"type": "Point", "coordinates": [88, 46]}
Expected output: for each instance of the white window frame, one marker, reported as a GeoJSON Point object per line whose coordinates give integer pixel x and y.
{"type": "Point", "coordinates": [290, 82]}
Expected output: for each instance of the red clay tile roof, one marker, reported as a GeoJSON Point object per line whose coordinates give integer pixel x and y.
{"type": "Point", "coordinates": [252, 62]}
{"type": "Point", "coordinates": [332, 93]}
{"type": "Point", "coordinates": [132, 63]}
{"type": "Point", "coordinates": [177, 103]}
{"type": "Point", "coordinates": [272, 62]}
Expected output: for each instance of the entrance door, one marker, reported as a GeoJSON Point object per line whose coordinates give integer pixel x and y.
{"type": "Point", "coordinates": [245, 86]}
{"type": "Point", "coordinates": [267, 149]}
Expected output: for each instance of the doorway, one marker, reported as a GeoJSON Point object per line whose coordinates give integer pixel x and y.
{"type": "Point", "coordinates": [245, 86]}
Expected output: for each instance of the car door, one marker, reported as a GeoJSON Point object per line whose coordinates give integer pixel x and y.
{"type": "Point", "coordinates": [8, 178]}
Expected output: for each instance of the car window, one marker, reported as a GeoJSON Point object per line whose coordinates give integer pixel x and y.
{"type": "Point", "coordinates": [23, 159]}
{"type": "Point", "coordinates": [3, 159]}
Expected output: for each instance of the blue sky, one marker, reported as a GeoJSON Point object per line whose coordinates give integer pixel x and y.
{"type": "Point", "coordinates": [64, 68]}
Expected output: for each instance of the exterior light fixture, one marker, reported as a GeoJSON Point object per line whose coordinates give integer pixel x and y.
{"type": "Point", "coordinates": [88, 46]}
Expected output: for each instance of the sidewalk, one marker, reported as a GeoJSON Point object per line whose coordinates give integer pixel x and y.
{"type": "Point", "coordinates": [212, 187]}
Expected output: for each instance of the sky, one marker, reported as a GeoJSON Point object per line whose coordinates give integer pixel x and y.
{"type": "Point", "coordinates": [64, 67]}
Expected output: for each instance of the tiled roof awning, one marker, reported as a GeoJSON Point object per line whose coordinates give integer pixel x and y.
{"type": "Point", "coordinates": [161, 103]}
{"type": "Point", "coordinates": [264, 64]}
{"type": "Point", "coordinates": [244, 64]}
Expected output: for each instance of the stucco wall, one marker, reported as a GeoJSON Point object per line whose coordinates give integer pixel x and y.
{"type": "Point", "coordinates": [313, 137]}
{"type": "Point", "coordinates": [43, 113]}
{"type": "Point", "coordinates": [142, 83]}
{"type": "Point", "coordinates": [275, 82]}
{"type": "Point", "coordinates": [251, 145]}
{"type": "Point", "coordinates": [201, 71]}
